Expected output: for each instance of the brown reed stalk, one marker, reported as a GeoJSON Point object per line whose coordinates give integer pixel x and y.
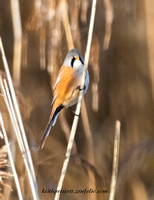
{"type": "Point", "coordinates": [150, 38]}
{"type": "Point", "coordinates": [65, 20]}
{"type": "Point", "coordinates": [74, 23]}
{"type": "Point", "coordinates": [90, 150]}
{"type": "Point", "coordinates": [84, 9]}
{"type": "Point", "coordinates": [17, 31]}
{"type": "Point", "coordinates": [94, 62]}
{"type": "Point", "coordinates": [24, 56]}
{"type": "Point", "coordinates": [108, 23]}
{"type": "Point", "coordinates": [42, 47]}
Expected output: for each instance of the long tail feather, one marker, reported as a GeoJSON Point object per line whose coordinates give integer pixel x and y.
{"type": "Point", "coordinates": [52, 121]}
{"type": "Point", "coordinates": [46, 133]}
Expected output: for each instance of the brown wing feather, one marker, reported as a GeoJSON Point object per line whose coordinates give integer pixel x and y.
{"type": "Point", "coordinates": [66, 85]}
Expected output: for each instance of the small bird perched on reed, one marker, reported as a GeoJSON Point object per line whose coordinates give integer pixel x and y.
{"type": "Point", "coordinates": [67, 87]}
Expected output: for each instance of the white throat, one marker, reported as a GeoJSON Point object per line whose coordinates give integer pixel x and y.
{"type": "Point", "coordinates": [77, 64]}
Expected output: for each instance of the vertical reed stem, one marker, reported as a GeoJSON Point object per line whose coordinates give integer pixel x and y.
{"type": "Point", "coordinates": [115, 160]}
{"type": "Point", "coordinates": [76, 118]}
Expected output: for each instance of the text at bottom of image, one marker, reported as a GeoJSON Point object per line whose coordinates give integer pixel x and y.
{"type": "Point", "coordinates": [74, 191]}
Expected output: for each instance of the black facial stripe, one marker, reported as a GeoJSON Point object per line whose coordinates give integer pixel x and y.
{"type": "Point", "coordinates": [72, 61]}
{"type": "Point", "coordinates": [81, 60]}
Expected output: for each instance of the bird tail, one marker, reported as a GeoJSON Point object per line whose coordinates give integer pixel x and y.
{"type": "Point", "coordinates": [51, 122]}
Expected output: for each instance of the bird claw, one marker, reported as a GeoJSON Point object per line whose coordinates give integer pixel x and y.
{"type": "Point", "coordinates": [78, 88]}
{"type": "Point", "coordinates": [82, 88]}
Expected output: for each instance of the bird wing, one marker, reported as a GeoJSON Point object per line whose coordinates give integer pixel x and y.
{"type": "Point", "coordinates": [65, 84]}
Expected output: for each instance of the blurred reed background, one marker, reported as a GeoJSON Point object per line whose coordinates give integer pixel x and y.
{"type": "Point", "coordinates": [121, 87]}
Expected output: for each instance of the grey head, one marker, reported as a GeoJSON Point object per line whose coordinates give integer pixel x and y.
{"type": "Point", "coordinates": [73, 59]}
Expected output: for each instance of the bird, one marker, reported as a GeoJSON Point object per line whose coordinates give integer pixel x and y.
{"type": "Point", "coordinates": [67, 88]}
